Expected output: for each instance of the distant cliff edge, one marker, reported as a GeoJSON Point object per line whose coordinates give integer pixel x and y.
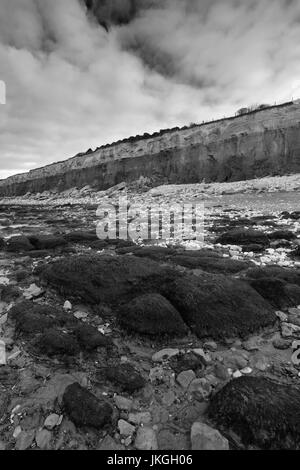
{"type": "Point", "coordinates": [260, 143]}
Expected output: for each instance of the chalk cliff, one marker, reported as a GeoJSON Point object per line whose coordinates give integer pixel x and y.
{"type": "Point", "coordinates": [261, 143]}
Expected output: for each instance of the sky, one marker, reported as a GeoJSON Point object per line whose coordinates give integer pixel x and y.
{"type": "Point", "coordinates": [76, 78]}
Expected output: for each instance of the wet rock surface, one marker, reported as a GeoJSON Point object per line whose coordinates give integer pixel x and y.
{"type": "Point", "coordinates": [111, 344]}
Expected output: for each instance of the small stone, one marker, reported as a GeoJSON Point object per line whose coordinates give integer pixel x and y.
{"type": "Point", "coordinates": [140, 418]}
{"type": "Point", "coordinates": [236, 374]}
{"type": "Point", "coordinates": [295, 358]}
{"type": "Point", "coordinates": [294, 311]}
{"type": "Point", "coordinates": [295, 344]}
{"type": "Point", "coordinates": [203, 437]}
{"type": "Point", "coordinates": [25, 440]}
{"type": "Point", "coordinates": [51, 421]}
{"type": "Point", "coordinates": [125, 428]}
{"type": "Point", "coordinates": [2, 353]}
{"type": "Point", "coordinates": [185, 378]}
{"type": "Point", "coordinates": [289, 330]}
{"type": "Point", "coordinates": [280, 343]}
{"type": "Point", "coordinates": [17, 432]}
{"type": "Point", "coordinates": [145, 439]}
{"type": "Point", "coordinates": [67, 306]}
{"type": "Point", "coordinates": [221, 372]}
{"type": "Point", "coordinates": [199, 352]}
{"type": "Point", "coordinates": [281, 315]}
{"type": "Point", "coordinates": [32, 292]}
{"type": "Point", "coordinates": [210, 345]}
{"type": "Point", "coordinates": [262, 364]}
{"type": "Point", "coordinates": [2, 445]}
{"type": "Point", "coordinates": [164, 354]}
{"type": "Point", "coordinates": [251, 345]}
{"type": "Point", "coordinates": [246, 370]}
{"type": "Point", "coordinates": [201, 387]}
{"type": "Point", "coordinates": [240, 362]}
{"type": "Point", "coordinates": [123, 403]}
{"type": "Point", "coordinates": [43, 439]}
{"type": "Point", "coordinates": [80, 315]}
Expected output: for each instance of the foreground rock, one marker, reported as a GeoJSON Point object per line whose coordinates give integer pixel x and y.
{"type": "Point", "coordinates": [219, 307]}
{"type": "Point", "coordinates": [261, 411]}
{"type": "Point", "coordinates": [85, 409]}
{"type": "Point", "coordinates": [241, 236]}
{"type": "Point", "coordinates": [152, 314]}
{"type": "Point", "coordinates": [96, 279]}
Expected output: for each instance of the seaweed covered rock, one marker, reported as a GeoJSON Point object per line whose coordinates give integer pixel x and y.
{"type": "Point", "coordinates": [18, 244]}
{"type": "Point", "coordinates": [105, 279]}
{"type": "Point", "coordinates": [54, 342]}
{"type": "Point", "coordinates": [242, 236]}
{"type": "Point", "coordinates": [85, 409]}
{"type": "Point", "coordinates": [81, 236]}
{"type": "Point", "coordinates": [125, 376]}
{"type": "Point", "coordinates": [217, 306]}
{"type": "Point", "coordinates": [90, 338]}
{"type": "Point", "coordinates": [34, 318]}
{"type": "Point", "coordinates": [46, 242]}
{"type": "Point", "coordinates": [152, 314]}
{"type": "Point", "coordinates": [261, 411]}
{"type": "Point", "coordinates": [210, 264]}
{"type": "Point", "coordinates": [290, 276]}
{"type": "Point", "coordinates": [279, 293]}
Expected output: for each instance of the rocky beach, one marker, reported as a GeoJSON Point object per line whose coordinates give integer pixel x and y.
{"type": "Point", "coordinates": [159, 344]}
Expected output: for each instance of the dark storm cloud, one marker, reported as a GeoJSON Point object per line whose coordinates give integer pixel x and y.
{"type": "Point", "coordinates": [73, 84]}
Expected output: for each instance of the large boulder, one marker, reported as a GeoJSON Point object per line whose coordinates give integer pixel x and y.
{"type": "Point", "coordinates": [107, 279]}
{"type": "Point", "coordinates": [34, 318]}
{"type": "Point", "coordinates": [211, 264]}
{"type": "Point", "coordinates": [242, 236]}
{"type": "Point", "coordinates": [291, 276]}
{"type": "Point", "coordinates": [152, 314]}
{"type": "Point", "coordinates": [261, 411]}
{"type": "Point", "coordinates": [85, 409]}
{"type": "Point", "coordinates": [279, 293]}
{"type": "Point", "coordinates": [217, 306]}
{"type": "Point", "coordinates": [18, 244]}
{"type": "Point", "coordinates": [46, 242]}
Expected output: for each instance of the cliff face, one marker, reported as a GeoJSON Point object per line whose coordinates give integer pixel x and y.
{"type": "Point", "coordinates": [254, 145]}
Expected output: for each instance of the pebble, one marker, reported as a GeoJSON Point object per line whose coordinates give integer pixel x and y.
{"type": "Point", "coordinates": [140, 418]}
{"type": "Point", "coordinates": [17, 432]}
{"type": "Point", "coordinates": [2, 353]}
{"type": "Point", "coordinates": [201, 387]}
{"type": "Point", "coordinates": [203, 437]}
{"type": "Point", "coordinates": [250, 345]}
{"type": "Point", "coordinates": [296, 344]}
{"type": "Point", "coordinates": [199, 352]}
{"type": "Point", "coordinates": [289, 330]}
{"type": "Point", "coordinates": [281, 315]}
{"type": "Point", "coordinates": [67, 306]}
{"type": "Point", "coordinates": [43, 439]}
{"type": "Point", "coordinates": [185, 378]}
{"type": "Point", "coordinates": [32, 291]}
{"type": "Point", "coordinates": [126, 429]}
{"type": "Point", "coordinates": [146, 439]}
{"type": "Point", "coordinates": [295, 358]}
{"type": "Point", "coordinates": [123, 403]}
{"type": "Point", "coordinates": [25, 440]}
{"type": "Point", "coordinates": [52, 420]}
{"type": "Point", "coordinates": [164, 354]}
{"type": "Point", "coordinates": [210, 345]}
{"type": "Point", "coordinates": [236, 374]}
{"type": "Point", "coordinates": [246, 370]}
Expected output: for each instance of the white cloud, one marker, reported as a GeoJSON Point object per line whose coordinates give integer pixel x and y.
{"type": "Point", "coordinates": [71, 85]}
